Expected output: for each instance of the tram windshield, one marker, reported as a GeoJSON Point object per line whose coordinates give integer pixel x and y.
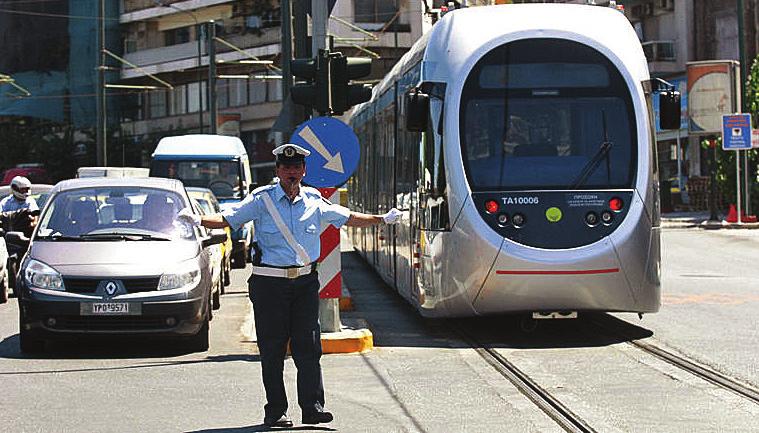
{"type": "Point", "coordinates": [547, 114]}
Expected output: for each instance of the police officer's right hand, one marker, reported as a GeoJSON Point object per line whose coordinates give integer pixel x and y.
{"type": "Point", "coordinates": [188, 216]}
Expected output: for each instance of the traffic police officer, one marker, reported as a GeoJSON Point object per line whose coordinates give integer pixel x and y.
{"type": "Point", "coordinates": [284, 288]}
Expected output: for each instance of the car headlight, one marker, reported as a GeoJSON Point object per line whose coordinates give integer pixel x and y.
{"type": "Point", "coordinates": [38, 274]}
{"type": "Point", "coordinates": [187, 276]}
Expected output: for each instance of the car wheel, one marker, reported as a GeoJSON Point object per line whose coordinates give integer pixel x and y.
{"type": "Point", "coordinates": [199, 341]}
{"type": "Point", "coordinates": [11, 269]}
{"type": "Point", "coordinates": [225, 275]}
{"type": "Point", "coordinates": [216, 296]}
{"type": "Point", "coordinates": [4, 287]}
{"type": "Point", "coordinates": [28, 341]}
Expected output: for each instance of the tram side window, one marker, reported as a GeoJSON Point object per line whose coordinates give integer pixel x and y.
{"type": "Point", "coordinates": [434, 195]}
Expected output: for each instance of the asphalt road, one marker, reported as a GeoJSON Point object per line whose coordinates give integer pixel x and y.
{"type": "Point", "coordinates": [421, 376]}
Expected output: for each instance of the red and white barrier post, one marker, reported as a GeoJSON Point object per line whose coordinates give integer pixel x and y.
{"type": "Point", "coordinates": [330, 277]}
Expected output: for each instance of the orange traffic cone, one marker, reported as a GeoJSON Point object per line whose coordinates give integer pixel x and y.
{"type": "Point", "coordinates": [732, 215]}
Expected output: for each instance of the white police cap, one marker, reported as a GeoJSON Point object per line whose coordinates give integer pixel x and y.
{"type": "Point", "coordinates": [289, 152]}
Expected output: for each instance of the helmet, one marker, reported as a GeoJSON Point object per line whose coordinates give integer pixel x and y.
{"type": "Point", "coordinates": [19, 183]}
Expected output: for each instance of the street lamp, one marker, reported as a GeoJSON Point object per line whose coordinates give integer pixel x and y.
{"type": "Point", "coordinates": [198, 32]}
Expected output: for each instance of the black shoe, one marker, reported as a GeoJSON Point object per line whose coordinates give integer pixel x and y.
{"type": "Point", "coordinates": [317, 417]}
{"type": "Point", "coordinates": [283, 421]}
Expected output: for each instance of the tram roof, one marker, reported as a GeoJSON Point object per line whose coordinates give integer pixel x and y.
{"type": "Point", "coordinates": [464, 35]}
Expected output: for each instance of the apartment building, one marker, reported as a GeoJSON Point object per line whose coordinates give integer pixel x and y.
{"type": "Point", "coordinates": [167, 40]}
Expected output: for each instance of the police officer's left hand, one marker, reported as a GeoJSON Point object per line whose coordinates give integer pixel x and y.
{"type": "Point", "coordinates": [393, 216]}
{"type": "Point", "coordinates": [187, 215]}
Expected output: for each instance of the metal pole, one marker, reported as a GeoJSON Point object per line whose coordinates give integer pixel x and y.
{"type": "Point", "coordinates": [329, 310]}
{"type": "Point", "coordinates": [738, 183]}
{"type": "Point", "coordinates": [713, 182]}
{"type": "Point", "coordinates": [199, 37]}
{"type": "Point", "coordinates": [287, 55]}
{"type": "Point", "coordinates": [300, 36]}
{"type": "Point", "coordinates": [101, 90]}
{"type": "Point", "coordinates": [319, 17]}
{"type": "Point", "coordinates": [679, 164]}
{"type": "Point", "coordinates": [745, 184]}
{"type": "Point", "coordinates": [212, 76]}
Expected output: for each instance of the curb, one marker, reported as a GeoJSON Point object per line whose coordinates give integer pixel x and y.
{"type": "Point", "coordinates": [354, 337]}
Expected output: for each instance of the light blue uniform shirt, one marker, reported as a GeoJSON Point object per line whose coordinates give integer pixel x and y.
{"type": "Point", "coordinates": [304, 217]}
{"type": "Point", "coordinates": [11, 203]}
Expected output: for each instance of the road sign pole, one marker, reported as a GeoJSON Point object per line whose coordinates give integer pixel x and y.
{"type": "Point", "coordinates": [738, 183]}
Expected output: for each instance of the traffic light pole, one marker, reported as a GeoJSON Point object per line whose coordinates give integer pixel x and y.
{"type": "Point", "coordinates": [329, 308]}
{"type": "Point", "coordinates": [102, 119]}
{"type": "Point", "coordinates": [287, 56]}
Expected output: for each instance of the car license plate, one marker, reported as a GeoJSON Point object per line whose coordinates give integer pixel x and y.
{"type": "Point", "coordinates": [109, 308]}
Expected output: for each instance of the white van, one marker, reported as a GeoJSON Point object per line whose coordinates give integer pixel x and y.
{"type": "Point", "coordinates": [112, 172]}
{"type": "Point", "coordinates": [217, 162]}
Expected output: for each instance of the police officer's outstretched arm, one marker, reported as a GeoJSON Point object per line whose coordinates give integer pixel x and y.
{"type": "Point", "coordinates": [358, 219]}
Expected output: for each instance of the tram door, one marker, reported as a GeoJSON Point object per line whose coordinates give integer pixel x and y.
{"type": "Point", "coordinates": [385, 153]}
{"type": "Point", "coordinates": [433, 219]}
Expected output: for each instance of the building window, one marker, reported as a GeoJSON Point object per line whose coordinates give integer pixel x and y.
{"type": "Point", "coordinates": [238, 92]}
{"type": "Point", "coordinates": [178, 100]}
{"type": "Point", "coordinates": [158, 104]}
{"type": "Point", "coordinates": [257, 91]}
{"type": "Point", "coordinates": [193, 98]}
{"type": "Point", "coordinates": [222, 97]}
{"type": "Point", "coordinates": [374, 11]}
{"type": "Point", "coordinates": [177, 36]}
{"type": "Point", "coordinates": [275, 90]}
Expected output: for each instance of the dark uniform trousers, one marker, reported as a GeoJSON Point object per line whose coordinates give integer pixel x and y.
{"type": "Point", "coordinates": [288, 310]}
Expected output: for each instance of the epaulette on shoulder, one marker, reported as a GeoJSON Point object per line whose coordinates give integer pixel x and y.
{"type": "Point", "coordinates": [263, 188]}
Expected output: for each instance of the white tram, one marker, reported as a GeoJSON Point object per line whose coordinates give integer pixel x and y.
{"type": "Point", "coordinates": [531, 182]}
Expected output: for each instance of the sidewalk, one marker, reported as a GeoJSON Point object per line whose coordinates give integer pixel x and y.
{"type": "Point", "coordinates": [700, 219]}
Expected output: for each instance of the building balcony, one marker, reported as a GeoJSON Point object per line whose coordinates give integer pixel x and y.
{"type": "Point", "coordinates": [184, 56]}
{"type": "Point", "coordinates": [140, 10]}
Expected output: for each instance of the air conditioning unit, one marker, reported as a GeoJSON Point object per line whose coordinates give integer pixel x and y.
{"type": "Point", "coordinates": [667, 5]}
{"type": "Point", "coordinates": [659, 51]}
{"type": "Point", "coordinates": [648, 9]}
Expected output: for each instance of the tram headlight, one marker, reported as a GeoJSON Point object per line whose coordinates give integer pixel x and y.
{"type": "Point", "coordinates": [518, 220]}
{"type": "Point", "coordinates": [616, 204]}
{"type": "Point", "coordinates": [591, 218]}
{"type": "Point", "coordinates": [491, 206]}
{"type": "Point", "coordinates": [606, 217]}
{"type": "Point", "coordinates": [503, 219]}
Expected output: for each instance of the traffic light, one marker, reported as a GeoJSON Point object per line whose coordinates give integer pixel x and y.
{"type": "Point", "coordinates": [344, 94]}
{"type": "Point", "coordinates": [314, 92]}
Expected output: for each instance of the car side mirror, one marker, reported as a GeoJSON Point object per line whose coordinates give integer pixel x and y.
{"type": "Point", "coordinates": [18, 239]}
{"type": "Point", "coordinates": [214, 239]}
{"type": "Point", "coordinates": [417, 110]}
{"type": "Point", "coordinates": [669, 109]}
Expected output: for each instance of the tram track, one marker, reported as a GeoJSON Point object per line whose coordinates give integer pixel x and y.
{"type": "Point", "coordinates": [613, 325]}
{"type": "Point", "coordinates": [546, 402]}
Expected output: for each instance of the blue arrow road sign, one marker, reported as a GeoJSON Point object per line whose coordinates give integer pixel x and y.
{"type": "Point", "coordinates": [736, 131]}
{"type": "Point", "coordinates": [334, 151]}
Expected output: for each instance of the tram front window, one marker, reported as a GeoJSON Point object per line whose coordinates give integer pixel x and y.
{"type": "Point", "coordinates": [536, 113]}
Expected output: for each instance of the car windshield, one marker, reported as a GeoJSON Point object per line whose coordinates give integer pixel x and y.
{"type": "Point", "coordinates": [142, 213]}
{"type": "Point", "coordinates": [221, 177]}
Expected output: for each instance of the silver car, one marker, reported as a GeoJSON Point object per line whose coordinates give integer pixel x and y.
{"type": "Point", "coordinates": [109, 256]}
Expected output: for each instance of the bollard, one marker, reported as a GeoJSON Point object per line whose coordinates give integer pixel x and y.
{"type": "Point", "coordinates": [330, 277]}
